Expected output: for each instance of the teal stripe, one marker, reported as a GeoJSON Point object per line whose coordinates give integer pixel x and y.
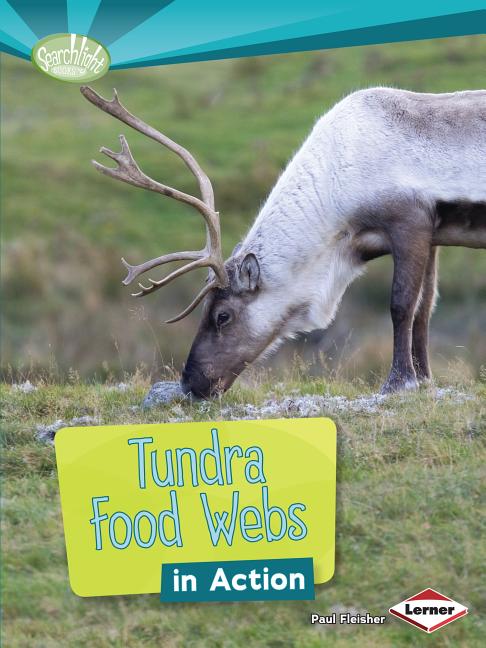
{"type": "Point", "coordinates": [13, 51]}
{"type": "Point", "coordinates": [14, 45]}
{"type": "Point", "coordinates": [14, 27]}
{"type": "Point", "coordinates": [115, 19]}
{"type": "Point", "coordinates": [44, 18]}
{"type": "Point", "coordinates": [440, 27]}
{"type": "Point", "coordinates": [190, 26]}
{"type": "Point", "coordinates": [80, 15]}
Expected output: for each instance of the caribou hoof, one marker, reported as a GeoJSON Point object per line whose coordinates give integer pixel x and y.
{"type": "Point", "coordinates": [425, 380]}
{"type": "Point", "coordinates": [396, 383]}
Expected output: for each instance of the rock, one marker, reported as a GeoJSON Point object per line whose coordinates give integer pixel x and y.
{"type": "Point", "coordinates": [457, 396]}
{"type": "Point", "coordinates": [163, 393]}
{"type": "Point", "coordinates": [121, 387]}
{"type": "Point", "coordinates": [47, 433]}
{"type": "Point", "coordinates": [26, 387]}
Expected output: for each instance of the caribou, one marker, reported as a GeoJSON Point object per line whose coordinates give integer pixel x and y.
{"type": "Point", "coordinates": [385, 171]}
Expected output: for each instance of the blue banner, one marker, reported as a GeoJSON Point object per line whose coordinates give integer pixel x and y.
{"type": "Point", "coordinates": [158, 32]}
{"type": "Point", "coordinates": [289, 579]}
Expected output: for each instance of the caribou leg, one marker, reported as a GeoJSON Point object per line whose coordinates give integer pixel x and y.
{"type": "Point", "coordinates": [420, 332]}
{"type": "Point", "coordinates": [410, 251]}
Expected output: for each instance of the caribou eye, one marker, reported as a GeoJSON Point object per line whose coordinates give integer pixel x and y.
{"type": "Point", "coordinates": [222, 319]}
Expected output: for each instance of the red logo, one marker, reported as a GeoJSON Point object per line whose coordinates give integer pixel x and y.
{"type": "Point", "coordinates": [429, 610]}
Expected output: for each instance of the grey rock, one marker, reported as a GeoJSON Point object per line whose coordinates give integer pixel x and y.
{"type": "Point", "coordinates": [26, 387]}
{"type": "Point", "coordinates": [163, 393]}
{"type": "Point", "coordinates": [453, 394]}
{"type": "Point", "coordinates": [121, 387]}
{"type": "Point", "coordinates": [47, 433]}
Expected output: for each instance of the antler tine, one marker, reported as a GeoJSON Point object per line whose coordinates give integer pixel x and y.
{"type": "Point", "coordinates": [127, 170]}
{"type": "Point", "coordinates": [196, 301]}
{"type": "Point", "coordinates": [117, 110]}
{"type": "Point", "coordinates": [155, 285]}
{"type": "Point", "coordinates": [136, 270]}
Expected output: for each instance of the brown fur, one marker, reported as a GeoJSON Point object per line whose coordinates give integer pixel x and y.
{"type": "Point", "coordinates": [411, 232]}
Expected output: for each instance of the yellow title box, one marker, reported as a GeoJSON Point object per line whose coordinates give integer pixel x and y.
{"type": "Point", "coordinates": [137, 496]}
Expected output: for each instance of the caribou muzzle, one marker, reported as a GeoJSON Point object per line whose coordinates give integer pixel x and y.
{"type": "Point", "coordinates": [194, 381]}
{"type": "Point", "coordinates": [200, 380]}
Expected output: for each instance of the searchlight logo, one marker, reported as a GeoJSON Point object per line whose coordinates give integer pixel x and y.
{"type": "Point", "coordinates": [429, 610]}
{"type": "Point", "coordinates": [71, 57]}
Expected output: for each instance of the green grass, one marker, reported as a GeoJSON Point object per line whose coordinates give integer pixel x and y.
{"type": "Point", "coordinates": [409, 516]}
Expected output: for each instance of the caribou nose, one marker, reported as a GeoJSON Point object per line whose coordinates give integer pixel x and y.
{"type": "Point", "coordinates": [195, 381]}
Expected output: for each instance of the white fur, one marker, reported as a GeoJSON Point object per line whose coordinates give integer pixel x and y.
{"type": "Point", "coordinates": [359, 151]}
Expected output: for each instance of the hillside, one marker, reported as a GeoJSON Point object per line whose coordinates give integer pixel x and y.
{"type": "Point", "coordinates": [65, 227]}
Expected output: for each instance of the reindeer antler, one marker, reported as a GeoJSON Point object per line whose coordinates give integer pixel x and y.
{"type": "Point", "coordinates": [127, 170]}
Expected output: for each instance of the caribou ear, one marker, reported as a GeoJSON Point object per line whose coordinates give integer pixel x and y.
{"type": "Point", "coordinates": [249, 273]}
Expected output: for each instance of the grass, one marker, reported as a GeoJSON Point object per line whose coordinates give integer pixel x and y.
{"type": "Point", "coordinates": [409, 516]}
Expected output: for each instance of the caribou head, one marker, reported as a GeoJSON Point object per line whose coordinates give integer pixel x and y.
{"type": "Point", "coordinates": [236, 326]}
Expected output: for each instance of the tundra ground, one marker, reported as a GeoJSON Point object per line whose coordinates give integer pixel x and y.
{"type": "Point", "coordinates": [409, 516]}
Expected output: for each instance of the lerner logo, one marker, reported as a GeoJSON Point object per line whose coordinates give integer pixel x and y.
{"type": "Point", "coordinates": [71, 57]}
{"type": "Point", "coordinates": [429, 610]}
